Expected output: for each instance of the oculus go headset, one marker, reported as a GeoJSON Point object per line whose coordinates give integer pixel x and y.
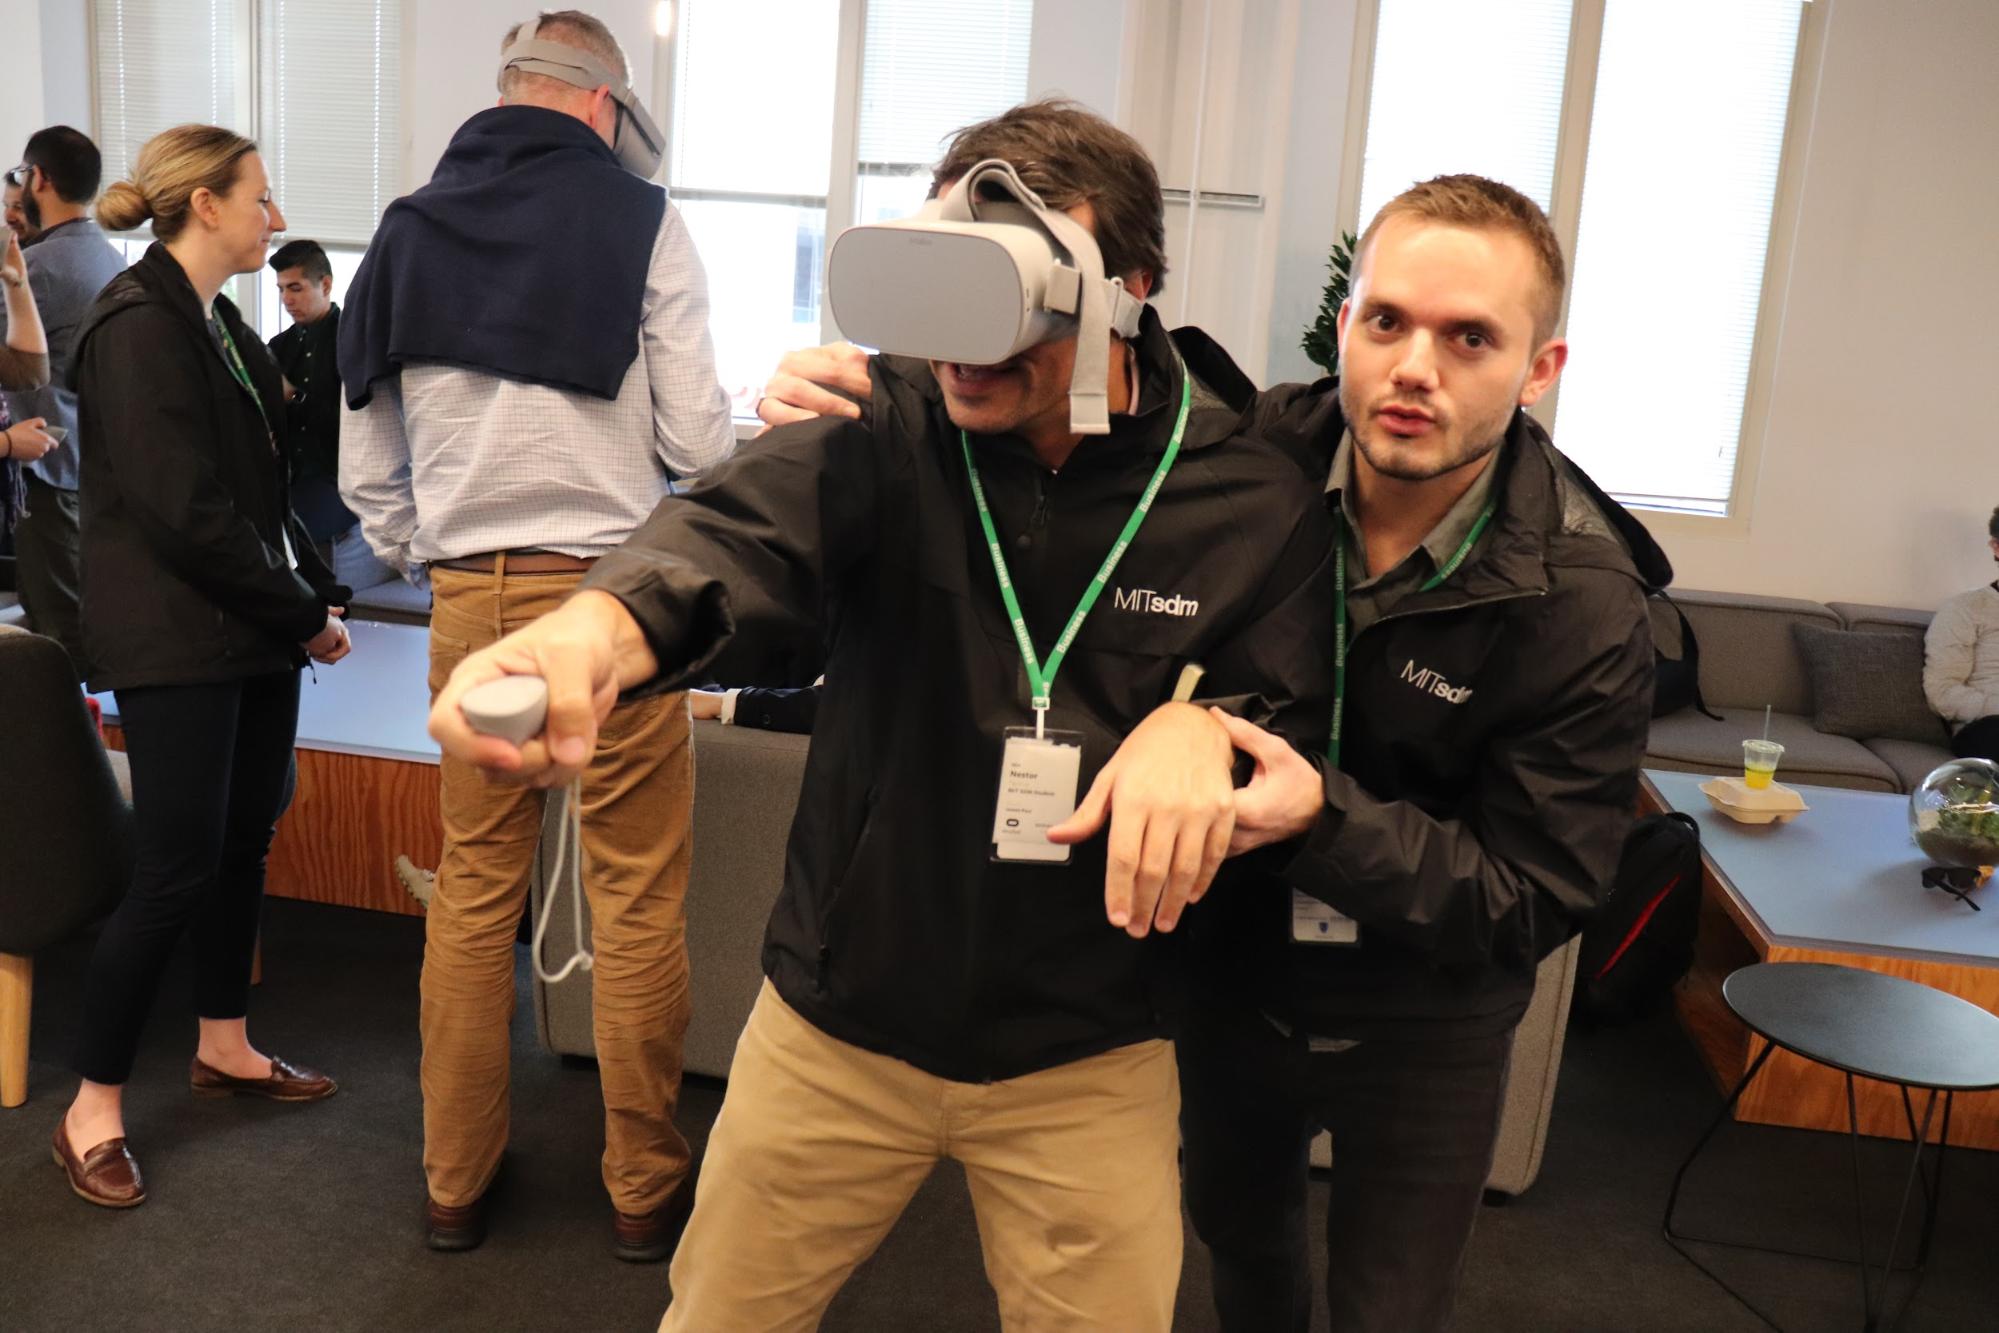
{"type": "Point", "coordinates": [979, 280]}
{"type": "Point", "coordinates": [638, 142]}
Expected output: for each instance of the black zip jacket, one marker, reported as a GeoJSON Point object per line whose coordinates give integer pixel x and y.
{"type": "Point", "coordinates": [1494, 732]}
{"type": "Point", "coordinates": [184, 495]}
{"type": "Point", "coordinates": [895, 931]}
{"type": "Point", "coordinates": [305, 353]}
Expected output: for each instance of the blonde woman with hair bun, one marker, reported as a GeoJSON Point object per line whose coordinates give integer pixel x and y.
{"type": "Point", "coordinates": [202, 599]}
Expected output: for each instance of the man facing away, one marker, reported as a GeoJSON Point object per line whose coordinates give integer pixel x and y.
{"type": "Point", "coordinates": [305, 351]}
{"type": "Point", "coordinates": [526, 360]}
{"type": "Point", "coordinates": [68, 265]}
{"type": "Point", "coordinates": [932, 992]}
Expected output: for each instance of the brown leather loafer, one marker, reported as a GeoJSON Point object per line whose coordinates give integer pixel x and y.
{"type": "Point", "coordinates": [108, 1176]}
{"type": "Point", "coordinates": [647, 1238]}
{"type": "Point", "coordinates": [287, 1083]}
{"type": "Point", "coordinates": [454, 1228]}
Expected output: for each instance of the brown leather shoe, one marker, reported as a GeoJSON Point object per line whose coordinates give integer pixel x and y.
{"type": "Point", "coordinates": [108, 1176]}
{"type": "Point", "coordinates": [454, 1228]}
{"type": "Point", "coordinates": [647, 1238]}
{"type": "Point", "coordinates": [287, 1083]}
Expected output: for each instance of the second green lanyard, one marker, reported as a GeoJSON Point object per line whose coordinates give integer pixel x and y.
{"type": "Point", "coordinates": [1436, 580]}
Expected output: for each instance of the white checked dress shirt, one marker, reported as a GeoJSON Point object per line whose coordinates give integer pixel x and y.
{"type": "Point", "coordinates": [446, 462]}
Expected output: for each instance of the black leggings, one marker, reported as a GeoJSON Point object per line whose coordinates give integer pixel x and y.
{"type": "Point", "coordinates": [210, 772]}
{"type": "Point", "coordinates": [1977, 740]}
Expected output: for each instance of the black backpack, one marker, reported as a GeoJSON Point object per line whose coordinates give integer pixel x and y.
{"type": "Point", "coordinates": [1676, 681]}
{"type": "Point", "coordinates": [1642, 941]}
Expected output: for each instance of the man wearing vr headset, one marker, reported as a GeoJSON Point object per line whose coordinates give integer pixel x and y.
{"type": "Point", "coordinates": [1491, 708]}
{"type": "Point", "coordinates": [943, 978]}
{"type": "Point", "coordinates": [526, 360]}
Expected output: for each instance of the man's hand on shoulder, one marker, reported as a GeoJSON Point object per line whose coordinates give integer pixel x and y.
{"type": "Point", "coordinates": [1170, 800]}
{"type": "Point", "coordinates": [816, 382]}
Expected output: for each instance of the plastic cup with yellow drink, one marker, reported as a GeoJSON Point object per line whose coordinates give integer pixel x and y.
{"type": "Point", "coordinates": [1759, 763]}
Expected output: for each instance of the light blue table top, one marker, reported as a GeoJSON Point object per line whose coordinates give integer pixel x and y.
{"type": "Point", "coordinates": [375, 702]}
{"type": "Point", "coordinates": [1844, 876]}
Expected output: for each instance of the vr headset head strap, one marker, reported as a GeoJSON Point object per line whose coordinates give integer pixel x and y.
{"type": "Point", "coordinates": [638, 142]}
{"type": "Point", "coordinates": [1102, 306]}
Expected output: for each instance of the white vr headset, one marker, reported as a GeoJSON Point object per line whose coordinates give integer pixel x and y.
{"type": "Point", "coordinates": [638, 142]}
{"type": "Point", "coordinates": [977, 281]}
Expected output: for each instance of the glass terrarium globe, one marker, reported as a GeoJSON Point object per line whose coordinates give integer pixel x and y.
{"type": "Point", "coordinates": [1954, 813]}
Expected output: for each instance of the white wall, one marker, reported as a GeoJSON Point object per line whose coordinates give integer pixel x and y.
{"type": "Point", "coordinates": [1881, 461]}
{"type": "Point", "coordinates": [1076, 51]}
{"type": "Point", "coordinates": [66, 96]}
{"type": "Point", "coordinates": [451, 53]}
{"type": "Point", "coordinates": [20, 76]}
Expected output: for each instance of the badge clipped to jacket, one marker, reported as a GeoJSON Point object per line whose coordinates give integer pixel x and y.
{"type": "Point", "coordinates": [1040, 771]}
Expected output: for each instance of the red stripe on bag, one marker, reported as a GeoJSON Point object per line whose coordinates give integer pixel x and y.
{"type": "Point", "coordinates": [1637, 927]}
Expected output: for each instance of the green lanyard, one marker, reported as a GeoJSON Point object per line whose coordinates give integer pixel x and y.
{"type": "Point", "coordinates": [1041, 679]}
{"type": "Point", "coordinates": [241, 374]}
{"type": "Point", "coordinates": [1340, 611]}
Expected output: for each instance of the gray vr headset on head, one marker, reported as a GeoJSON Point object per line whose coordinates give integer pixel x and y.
{"type": "Point", "coordinates": [638, 142]}
{"type": "Point", "coordinates": [978, 281]}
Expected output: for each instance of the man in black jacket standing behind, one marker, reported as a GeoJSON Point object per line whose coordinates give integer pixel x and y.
{"type": "Point", "coordinates": [305, 351]}
{"type": "Point", "coordinates": [1490, 711]}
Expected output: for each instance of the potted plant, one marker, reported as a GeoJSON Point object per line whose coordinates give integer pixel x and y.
{"type": "Point", "coordinates": [1322, 340]}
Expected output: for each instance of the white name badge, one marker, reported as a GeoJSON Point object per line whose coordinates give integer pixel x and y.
{"type": "Point", "coordinates": [1314, 922]}
{"type": "Point", "coordinates": [1038, 783]}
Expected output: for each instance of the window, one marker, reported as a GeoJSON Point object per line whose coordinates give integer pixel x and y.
{"type": "Point", "coordinates": [1665, 299]}
{"type": "Point", "coordinates": [329, 113]}
{"type": "Point", "coordinates": [319, 87]}
{"type": "Point", "coordinates": [1437, 104]}
{"type": "Point", "coordinates": [1653, 402]}
{"type": "Point", "coordinates": [755, 175]}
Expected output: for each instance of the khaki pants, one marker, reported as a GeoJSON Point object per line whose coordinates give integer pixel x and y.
{"type": "Point", "coordinates": [820, 1145]}
{"type": "Point", "coordinates": [636, 797]}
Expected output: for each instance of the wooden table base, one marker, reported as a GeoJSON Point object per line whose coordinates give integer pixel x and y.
{"type": "Point", "coordinates": [350, 818]}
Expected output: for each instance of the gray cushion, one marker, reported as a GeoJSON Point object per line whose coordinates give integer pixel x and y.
{"type": "Point", "coordinates": [1892, 619]}
{"type": "Point", "coordinates": [1868, 685]}
{"type": "Point", "coordinates": [395, 601]}
{"type": "Point", "coordinates": [1686, 742]}
{"type": "Point", "coordinates": [1912, 760]}
{"type": "Point", "coordinates": [1747, 656]}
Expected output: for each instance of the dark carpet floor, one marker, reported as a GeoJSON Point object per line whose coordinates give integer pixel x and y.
{"type": "Point", "coordinates": [271, 1217]}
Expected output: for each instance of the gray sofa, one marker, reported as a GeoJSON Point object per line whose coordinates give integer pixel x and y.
{"type": "Point", "coordinates": [1749, 657]}
{"type": "Point", "coordinates": [746, 785]}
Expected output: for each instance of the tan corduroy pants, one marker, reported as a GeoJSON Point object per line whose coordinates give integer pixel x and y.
{"type": "Point", "coordinates": [820, 1144]}
{"type": "Point", "coordinates": [637, 793]}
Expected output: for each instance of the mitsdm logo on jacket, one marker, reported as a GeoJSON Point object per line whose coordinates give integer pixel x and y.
{"type": "Point", "coordinates": [1430, 682]}
{"type": "Point", "coordinates": [1147, 601]}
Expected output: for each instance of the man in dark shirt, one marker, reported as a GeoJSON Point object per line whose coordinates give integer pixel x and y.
{"type": "Point", "coordinates": [312, 413]}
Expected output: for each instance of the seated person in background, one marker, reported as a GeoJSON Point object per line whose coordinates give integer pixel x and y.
{"type": "Point", "coordinates": [1961, 664]}
{"type": "Point", "coordinates": [305, 352]}
{"type": "Point", "coordinates": [755, 706]}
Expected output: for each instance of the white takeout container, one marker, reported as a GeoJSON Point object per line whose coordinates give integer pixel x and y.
{"type": "Point", "coordinates": [1774, 804]}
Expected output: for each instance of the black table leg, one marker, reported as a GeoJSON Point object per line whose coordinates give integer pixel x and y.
{"type": "Point", "coordinates": [1873, 1303]}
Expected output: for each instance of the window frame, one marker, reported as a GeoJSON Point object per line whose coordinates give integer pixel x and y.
{"type": "Point", "coordinates": [246, 49]}
{"type": "Point", "coordinates": [1586, 26]}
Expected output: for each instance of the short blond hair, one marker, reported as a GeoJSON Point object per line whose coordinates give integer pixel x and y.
{"type": "Point", "coordinates": [567, 27]}
{"type": "Point", "coordinates": [1485, 205]}
{"type": "Point", "coordinates": [171, 167]}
